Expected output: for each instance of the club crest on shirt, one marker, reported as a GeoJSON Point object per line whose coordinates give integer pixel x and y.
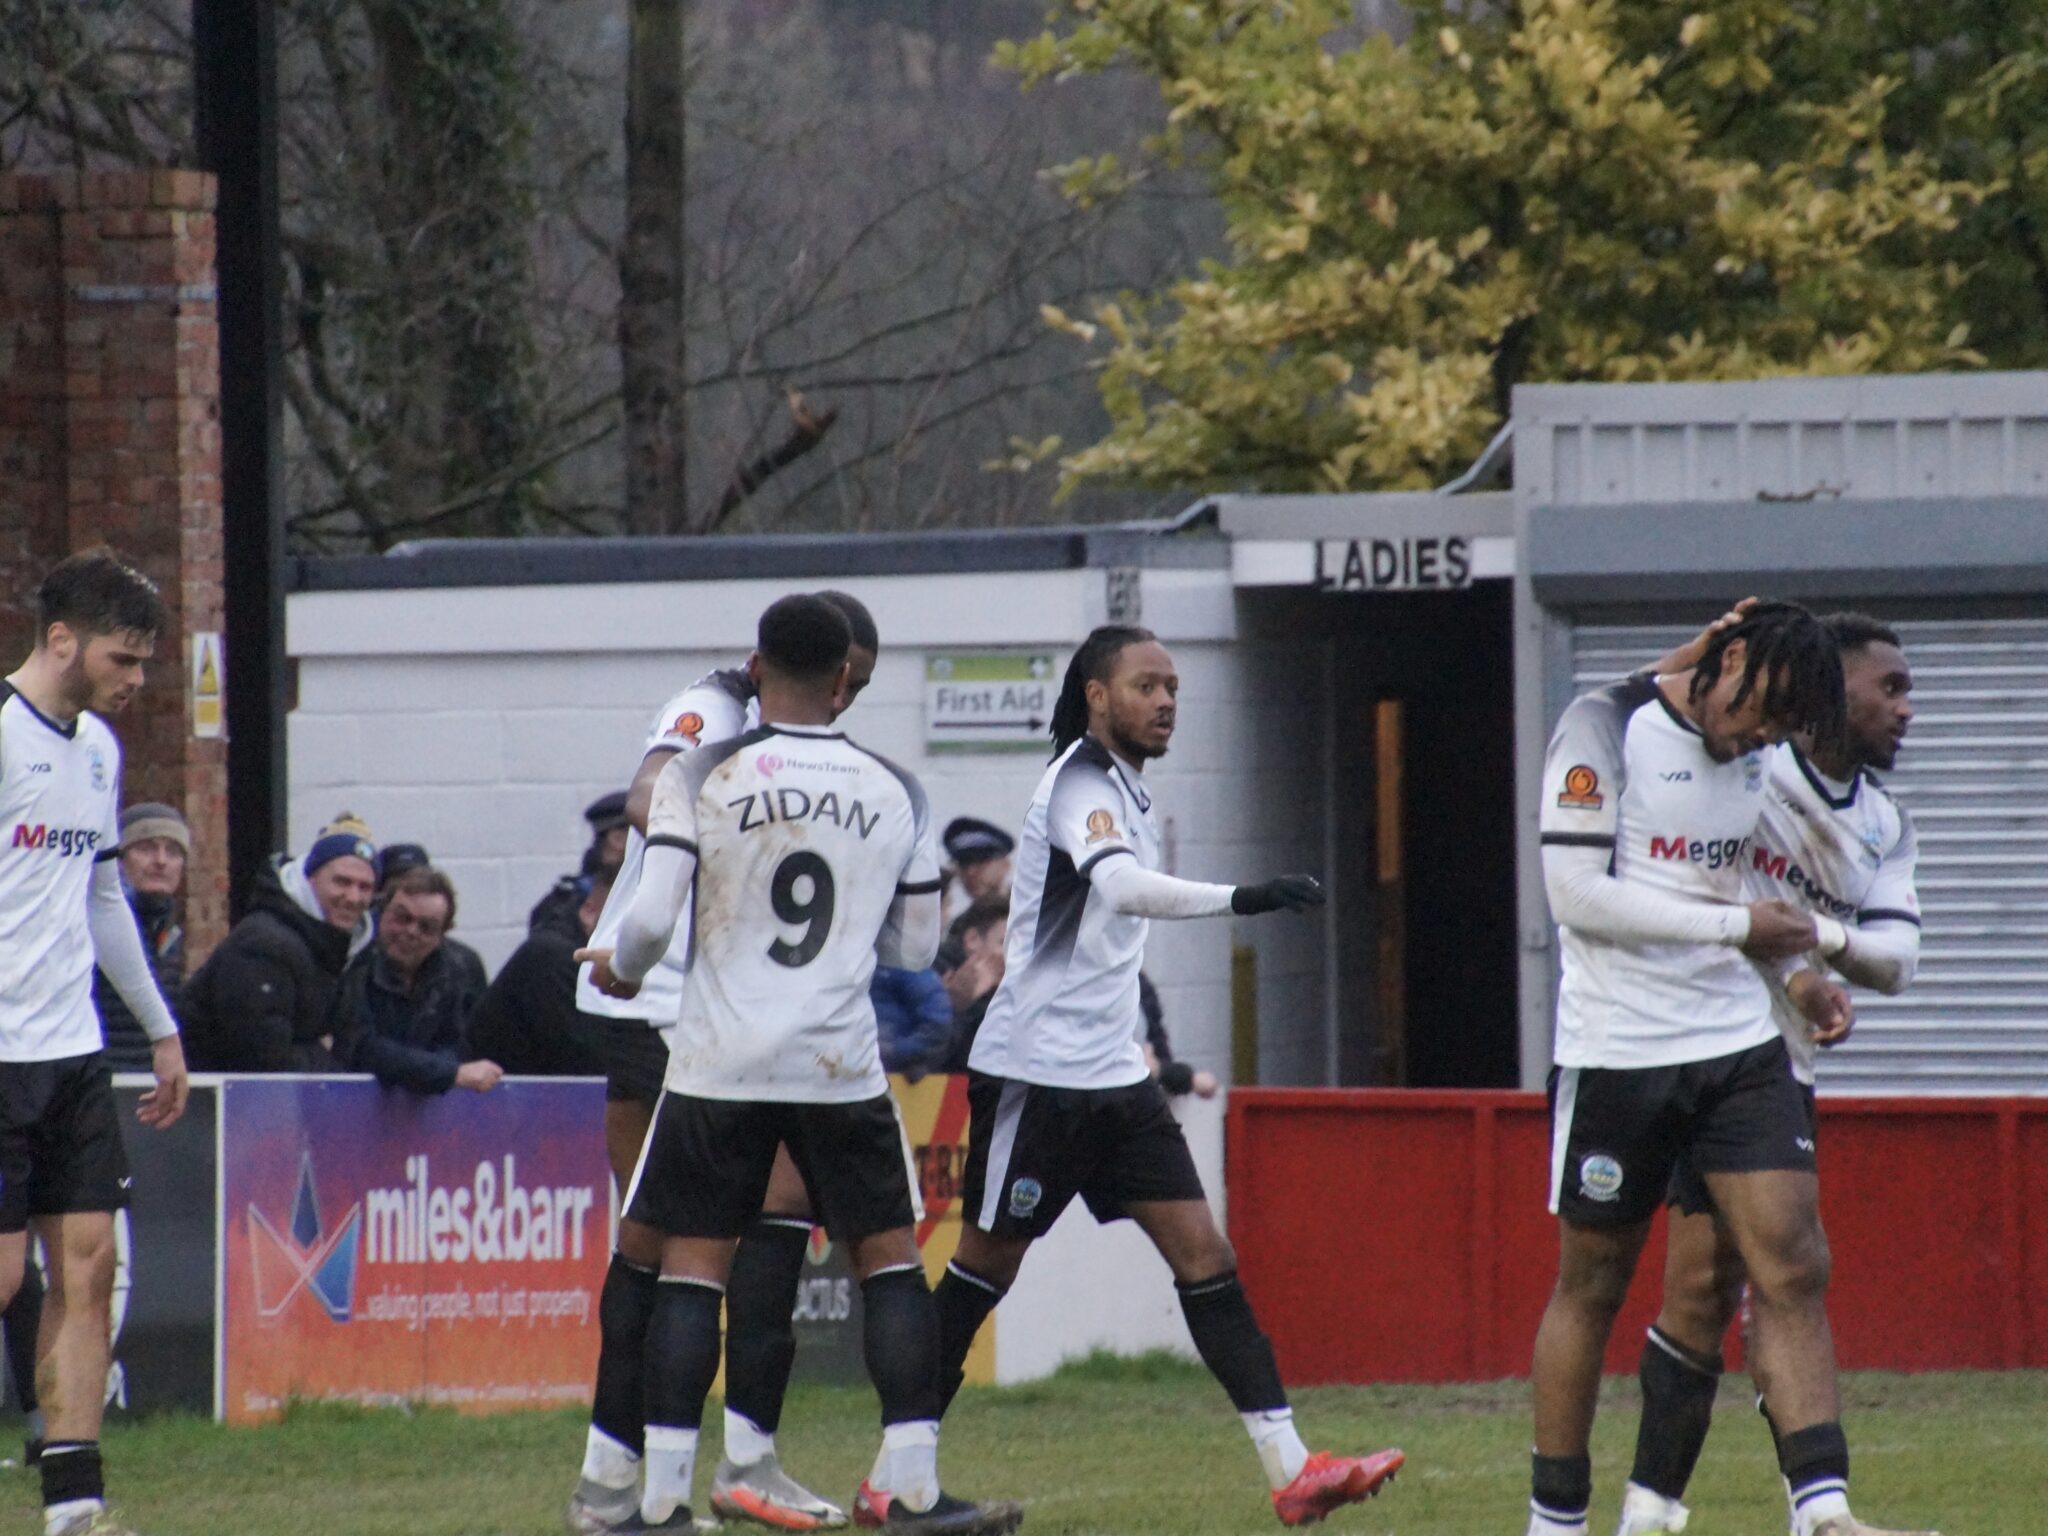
{"type": "Point", "coordinates": [1600, 1177]}
{"type": "Point", "coordinates": [1101, 826]}
{"type": "Point", "coordinates": [690, 727]}
{"type": "Point", "coordinates": [1024, 1197]}
{"type": "Point", "coordinates": [1581, 790]}
{"type": "Point", "coordinates": [96, 765]}
{"type": "Point", "coordinates": [1753, 772]}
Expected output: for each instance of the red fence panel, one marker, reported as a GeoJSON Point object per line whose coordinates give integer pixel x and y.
{"type": "Point", "coordinates": [1391, 1235]}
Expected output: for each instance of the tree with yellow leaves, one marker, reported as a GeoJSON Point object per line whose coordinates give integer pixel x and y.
{"type": "Point", "coordinates": [1541, 190]}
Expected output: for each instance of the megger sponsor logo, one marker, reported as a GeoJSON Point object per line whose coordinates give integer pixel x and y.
{"type": "Point", "coordinates": [62, 841]}
{"type": "Point", "coordinates": [477, 1221]}
{"type": "Point", "coordinates": [1714, 852]}
{"type": "Point", "coordinates": [1779, 866]}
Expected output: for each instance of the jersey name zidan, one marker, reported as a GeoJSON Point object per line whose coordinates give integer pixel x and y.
{"type": "Point", "coordinates": [1627, 773]}
{"type": "Point", "coordinates": [804, 842]}
{"type": "Point", "coordinates": [59, 812]}
{"type": "Point", "coordinates": [1847, 852]}
{"type": "Point", "coordinates": [717, 707]}
{"type": "Point", "coordinates": [1067, 1013]}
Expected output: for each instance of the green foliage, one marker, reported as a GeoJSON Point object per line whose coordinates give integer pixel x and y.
{"type": "Point", "coordinates": [1540, 191]}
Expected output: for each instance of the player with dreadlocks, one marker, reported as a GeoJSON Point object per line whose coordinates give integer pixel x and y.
{"type": "Point", "coordinates": [1062, 1103]}
{"type": "Point", "coordinates": [1666, 1044]}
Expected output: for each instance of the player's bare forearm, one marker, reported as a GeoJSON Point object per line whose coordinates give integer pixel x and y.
{"type": "Point", "coordinates": [640, 794]}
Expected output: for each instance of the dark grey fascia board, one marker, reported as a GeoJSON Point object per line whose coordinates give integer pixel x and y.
{"type": "Point", "coordinates": [1937, 546]}
{"type": "Point", "coordinates": [1378, 515]}
{"type": "Point", "coordinates": [805, 556]}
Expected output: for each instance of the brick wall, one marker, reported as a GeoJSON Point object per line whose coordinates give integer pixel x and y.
{"type": "Point", "coordinates": [110, 434]}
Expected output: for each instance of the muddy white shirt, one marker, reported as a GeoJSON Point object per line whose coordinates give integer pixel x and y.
{"type": "Point", "coordinates": [717, 707]}
{"type": "Point", "coordinates": [59, 816]}
{"type": "Point", "coordinates": [806, 846]}
{"type": "Point", "coordinates": [1629, 776]}
{"type": "Point", "coordinates": [1845, 851]}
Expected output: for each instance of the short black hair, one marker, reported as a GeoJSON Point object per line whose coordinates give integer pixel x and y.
{"type": "Point", "coordinates": [1794, 656]}
{"type": "Point", "coordinates": [96, 592]}
{"type": "Point", "coordinates": [858, 619]}
{"type": "Point", "coordinates": [1853, 631]}
{"type": "Point", "coordinates": [1092, 663]}
{"type": "Point", "coordinates": [803, 636]}
{"type": "Point", "coordinates": [980, 917]}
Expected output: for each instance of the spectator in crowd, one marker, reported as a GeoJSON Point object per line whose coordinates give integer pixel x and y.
{"type": "Point", "coordinates": [978, 868]}
{"type": "Point", "coordinates": [395, 859]}
{"type": "Point", "coordinates": [1176, 1077]}
{"type": "Point", "coordinates": [265, 999]}
{"type": "Point", "coordinates": [155, 843]}
{"type": "Point", "coordinates": [913, 1020]}
{"type": "Point", "coordinates": [977, 936]}
{"type": "Point", "coordinates": [608, 827]}
{"type": "Point", "coordinates": [527, 1020]}
{"type": "Point", "coordinates": [405, 1002]}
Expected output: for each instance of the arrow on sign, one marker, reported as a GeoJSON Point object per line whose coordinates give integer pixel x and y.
{"type": "Point", "coordinates": [1034, 724]}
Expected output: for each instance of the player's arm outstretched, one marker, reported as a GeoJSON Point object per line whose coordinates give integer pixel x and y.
{"type": "Point", "coordinates": [117, 949]}
{"type": "Point", "coordinates": [1084, 821]}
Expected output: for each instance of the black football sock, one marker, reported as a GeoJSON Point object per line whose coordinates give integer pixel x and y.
{"type": "Point", "coordinates": [1815, 1461]}
{"type": "Point", "coordinates": [624, 1308]}
{"type": "Point", "coordinates": [963, 1302]}
{"type": "Point", "coordinates": [1678, 1406]}
{"type": "Point", "coordinates": [19, 1323]}
{"type": "Point", "coordinates": [760, 1301]}
{"type": "Point", "coordinates": [682, 1362]}
{"type": "Point", "coordinates": [71, 1472]}
{"type": "Point", "coordinates": [1231, 1343]}
{"type": "Point", "coordinates": [900, 1339]}
{"type": "Point", "coordinates": [1561, 1488]}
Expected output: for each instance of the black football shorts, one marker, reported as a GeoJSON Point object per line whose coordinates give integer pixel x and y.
{"type": "Point", "coordinates": [60, 1140]}
{"type": "Point", "coordinates": [1031, 1149]}
{"type": "Point", "coordinates": [1617, 1134]}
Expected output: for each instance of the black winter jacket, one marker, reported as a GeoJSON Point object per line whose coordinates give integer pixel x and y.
{"type": "Point", "coordinates": [265, 1001]}
{"type": "Point", "coordinates": [163, 942]}
{"type": "Point", "coordinates": [408, 1039]}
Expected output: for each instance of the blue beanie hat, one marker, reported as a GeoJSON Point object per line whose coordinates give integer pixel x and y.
{"type": "Point", "coordinates": [339, 845]}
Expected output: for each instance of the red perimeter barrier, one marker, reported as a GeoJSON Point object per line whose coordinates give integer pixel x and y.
{"type": "Point", "coordinates": [1402, 1235]}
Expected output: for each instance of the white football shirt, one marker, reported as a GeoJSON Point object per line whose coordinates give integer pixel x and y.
{"type": "Point", "coordinates": [1846, 851]}
{"type": "Point", "coordinates": [1066, 1014]}
{"type": "Point", "coordinates": [60, 790]}
{"type": "Point", "coordinates": [717, 707]}
{"type": "Point", "coordinates": [1627, 773]}
{"type": "Point", "coordinates": [804, 843]}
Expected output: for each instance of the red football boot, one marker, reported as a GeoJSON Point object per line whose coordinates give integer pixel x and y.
{"type": "Point", "coordinates": [1329, 1482]}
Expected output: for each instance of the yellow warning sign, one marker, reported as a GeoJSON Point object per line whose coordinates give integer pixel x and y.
{"type": "Point", "coordinates": [207, 675]}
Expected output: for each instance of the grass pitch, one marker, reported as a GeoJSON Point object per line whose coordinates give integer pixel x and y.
{"type": "Point", "coordinates": [1103, 1449]}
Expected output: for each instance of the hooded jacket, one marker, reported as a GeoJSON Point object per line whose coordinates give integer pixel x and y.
{"type": "Point", "coordinates": [265, 1001]}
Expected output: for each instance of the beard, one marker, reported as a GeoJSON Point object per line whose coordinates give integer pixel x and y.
{"type": "Point", "coordinates": [1130, 750]}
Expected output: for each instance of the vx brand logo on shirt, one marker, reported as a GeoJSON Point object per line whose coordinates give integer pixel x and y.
{"type": "Point", "coordinates": [38, 767]}
{"type": "Point", "coordinates": [1683, 776]}
{"type": "Point", "coordinates": [307, 1258]}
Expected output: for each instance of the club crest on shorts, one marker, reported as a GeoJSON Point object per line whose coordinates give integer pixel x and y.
{"type": "Point", "coordinates": [1599, 1177]}
{"type": "Point", "coordinates": [1024, 1197]}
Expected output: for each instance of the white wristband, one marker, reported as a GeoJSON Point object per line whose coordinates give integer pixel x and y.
{"type": "Point", "coordinates": [1834, 938]}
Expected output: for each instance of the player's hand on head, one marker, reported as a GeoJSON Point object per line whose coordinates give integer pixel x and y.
{"type": "Point", "coordinates": [1825, 1005]}
{"type": "Point", "coordinates": [162, 1105]}
{"type": "Point", "coordinates": [602, 977]}
{"type": "Point", "coordinates": [1778, 930]}
{"type": "Point", "coordinates": [1688, 655]}
{"type": "Point", "coordinates": [1289, 893]}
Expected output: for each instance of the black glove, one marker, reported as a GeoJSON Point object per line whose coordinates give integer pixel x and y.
{"type": "Point", "coordinates": [1290, 893]}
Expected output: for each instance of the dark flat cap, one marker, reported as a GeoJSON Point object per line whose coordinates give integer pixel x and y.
{"type": "Point", "coordinates": [394, 859]}
{"type": "Point", "coordinates": [606, 812]}
{"type": "Point", "coordinates": [970, 840]}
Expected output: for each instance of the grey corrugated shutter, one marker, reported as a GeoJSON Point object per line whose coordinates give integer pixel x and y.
{"type": "Point", "coordinates": [1974, 776]}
